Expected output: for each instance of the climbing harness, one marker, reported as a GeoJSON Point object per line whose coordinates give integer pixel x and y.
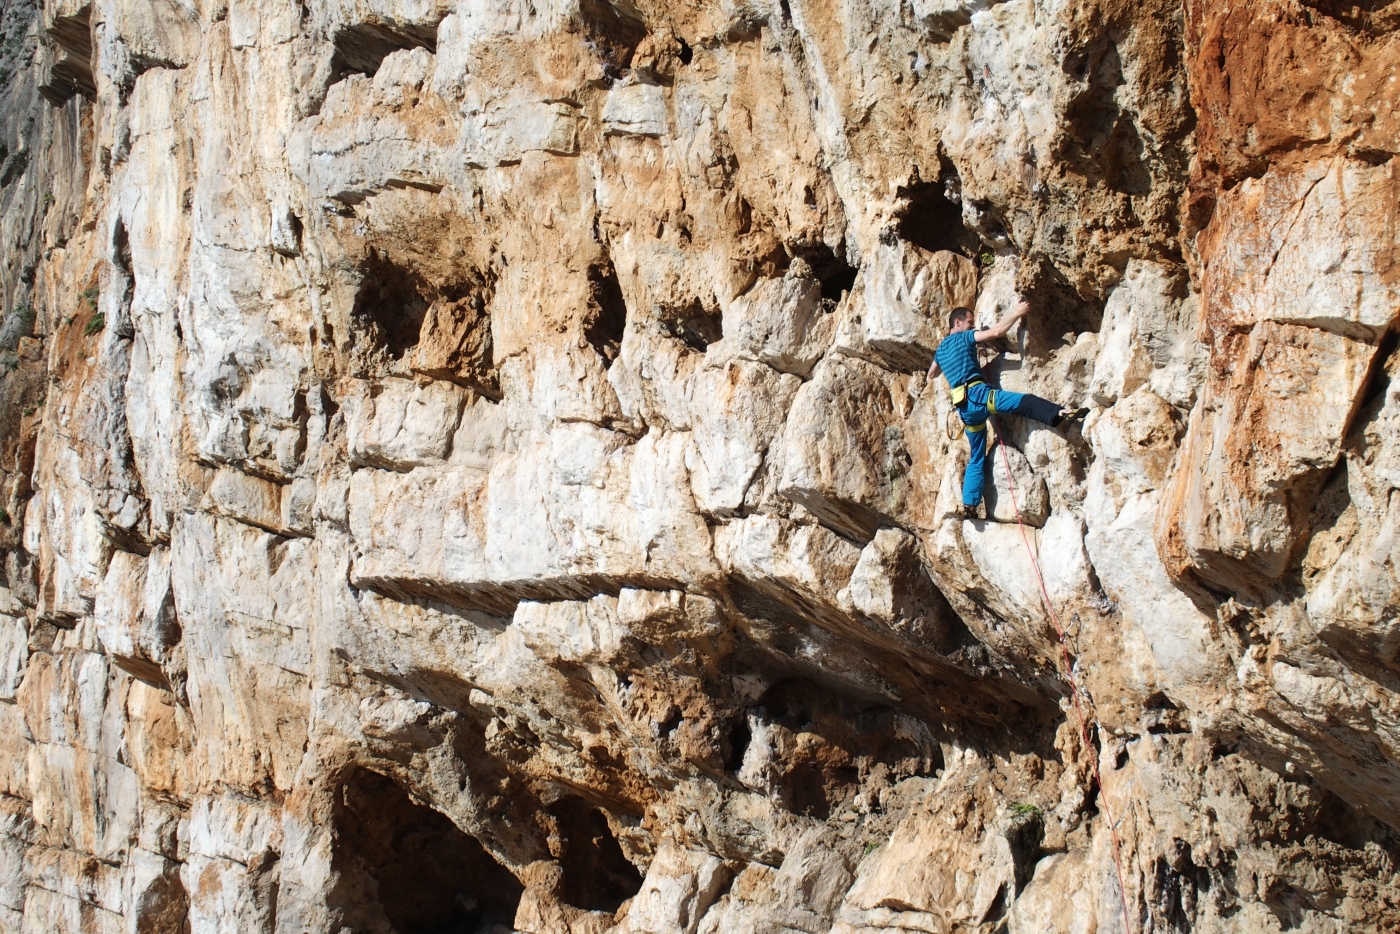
{"type": "Point", "coordinates": [1074, 692]}
{"type": "Point", "coordinates": [959, 392]}
{"type": "Point", "coordinates": [959, 395]}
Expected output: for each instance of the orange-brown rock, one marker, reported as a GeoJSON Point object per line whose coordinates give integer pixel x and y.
{"type": "Point", "coordinates": [468, 465]}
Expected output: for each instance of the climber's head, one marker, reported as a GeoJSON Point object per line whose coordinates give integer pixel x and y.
{"type": "Point", "coordinates": [959, 319]}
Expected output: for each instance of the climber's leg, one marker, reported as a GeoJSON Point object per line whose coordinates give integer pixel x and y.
{"type": "Point", "coordinates": [976, 465]}
{"type": "Point", "coordinates": [1004, 402]}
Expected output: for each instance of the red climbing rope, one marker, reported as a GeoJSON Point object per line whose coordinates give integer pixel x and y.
{"type": "Point", "coordinates": [1073, 686]}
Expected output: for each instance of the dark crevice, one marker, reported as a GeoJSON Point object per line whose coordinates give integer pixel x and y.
{"type": "Point", "coordinates": [669, 725]}
{"type": "Point", "coordinates": [1173, 891]}
{"type": "Point", "coordinates": [1159, 701]}
{"type": "Point", "coordinates": [1347, 826]}
{"type": "Point", "coordinates": [406, 864]}
{"type": "Point", "coordinates": [1380, 374]}
{"type": "Point", "coordinates": [932, 218]}
{"type": "Point", "coordinates": [835, 274]}
{"type": "Point", "coordinates": [597, 876]}
{"type": "Point", "coordinates": [1090, 809]}
{"type": "Point", "coordinates": [14, 168]}
{"type": "Point", "coordinates": [849, 743]}
{"type": "Point", "coordinates": [738, 743]}
{"type": "Point", "coordinates": [71, 72]}
{"type": "Point", "coordinates": [390, 306]}
{"type": "Point", "coordinates": [442, 330]}
{"type": "Point", "coordinates": [1372, 17]}
{"type": "Point", "coordinates": [1024, 836]}
{"type": "Point", "coordinates": [693, 326]}
{"type": "Point", "coordinates": [606, 318]}
{"type": "Point", "coordinates": [121, 249]}
{"type": "Point", "coordinates": [997, 909]}
{"type": "Point", "coordinates": [361, 48]}
{"type": "Point", "coordinates": [613, 33]}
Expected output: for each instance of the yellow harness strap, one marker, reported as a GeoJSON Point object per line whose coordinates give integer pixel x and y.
{"type": "Point", "coordinates": [981, 427]}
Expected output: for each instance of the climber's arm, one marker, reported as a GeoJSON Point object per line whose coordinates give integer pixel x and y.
{"type": "Point", "coordinates": [1002, 327]}
{"type": "Point", "coordinates": [933, 371]}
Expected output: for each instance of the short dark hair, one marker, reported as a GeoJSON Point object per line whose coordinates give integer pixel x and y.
{"type": "Point", "coordinates": [956, 315]}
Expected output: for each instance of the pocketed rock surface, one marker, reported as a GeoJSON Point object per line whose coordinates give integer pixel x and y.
{"type": "Point", "coordinates": [467, 466]}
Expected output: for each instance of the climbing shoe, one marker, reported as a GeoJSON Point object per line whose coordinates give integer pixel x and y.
{"type": "Point", "coordinates": [1078, 415]}
{"type": "Point", "coordinates": [968, 512]}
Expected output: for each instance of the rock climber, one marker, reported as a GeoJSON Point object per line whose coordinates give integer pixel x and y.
{"type": "Point", "coordinates": [956, 358]}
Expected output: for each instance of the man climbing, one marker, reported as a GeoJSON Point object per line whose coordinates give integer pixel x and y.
{"type": "Point", "coordinates": [956, 358]}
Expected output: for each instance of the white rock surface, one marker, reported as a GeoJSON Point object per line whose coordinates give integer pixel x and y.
{"type": "Point", "coordinates": [468, 466]}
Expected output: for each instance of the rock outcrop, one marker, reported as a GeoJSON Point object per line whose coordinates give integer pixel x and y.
{"type": "Point", "coordinates": [467, 465]}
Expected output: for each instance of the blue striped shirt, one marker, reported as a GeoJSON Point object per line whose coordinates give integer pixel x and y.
{"type": "Point", "coordinates": [957, 357]}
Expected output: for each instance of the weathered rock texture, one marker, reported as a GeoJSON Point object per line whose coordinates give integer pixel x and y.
{"type": "Point", "coordinates": [466, 465]}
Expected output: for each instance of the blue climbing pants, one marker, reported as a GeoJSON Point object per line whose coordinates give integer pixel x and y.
{"type": "Point", "coordinates": [981, 403]}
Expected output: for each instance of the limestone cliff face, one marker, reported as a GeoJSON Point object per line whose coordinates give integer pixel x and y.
{"type": "Point", "coordinates": [466, 466]}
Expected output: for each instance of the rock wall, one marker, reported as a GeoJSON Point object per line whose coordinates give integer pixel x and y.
{"type": "Point", "coordinates": [467, 466]}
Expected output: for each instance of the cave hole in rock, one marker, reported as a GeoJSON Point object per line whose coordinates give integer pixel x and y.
{"type": "Point", "coordinates": [71, 74]}
{"type": "Point", "coordinates": [1024, 837]}
{"type": "Point", "coordinates": [737, 740]}
{"type": "Point", "coordinates": [613, 31]}
{"type": "Point", "coordinates": [835, 274]}
{"type": "Point", "coordinates": [849, 744]}
{"type": "Point", "coordinates": [1173, 888]}
{"type": "Point", "coordinates": [606, 318]}
{"type": "Point", "coordinates": [1333, 819]}
{"type": "Point", "coordinates": [1162, 717]}
{"type": "Point", "coordinates": [360, 48]}
{"type": "Point", "coordinates": [389, 305]}
{"type": "Point", "coordinates": [933, 220]}
{"type": "Point", "coordinates": [1373, 17]}
{"type": "Point", "coordinates": [597, 876]}
{"type": "Point", "coordinates": [121, 249]}
{"type": "Point", "coordinates": [693, 325]}
{"type": "Point", "coordinates": [414, 864]}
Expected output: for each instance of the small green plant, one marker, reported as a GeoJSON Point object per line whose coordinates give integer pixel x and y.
{"type": "Point", "coordinates": [986, 259]}
{"type": "Point", "coordinates": [26, 315]}
{"type": "Point", "coordinates": [29, 410]}
{"type": "Point", "coordinates": [97, 323]}
{"type": "Point", "coordinates": [48, 198]}
{"type": "Point", "coordinates": [91, 296]}
{"type": "Point", "coordinates": [5, 516]}
{"type": "Point", "coordinates": [1024, 809]}
{"type": "Point", "coordinates": [870, 847]}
